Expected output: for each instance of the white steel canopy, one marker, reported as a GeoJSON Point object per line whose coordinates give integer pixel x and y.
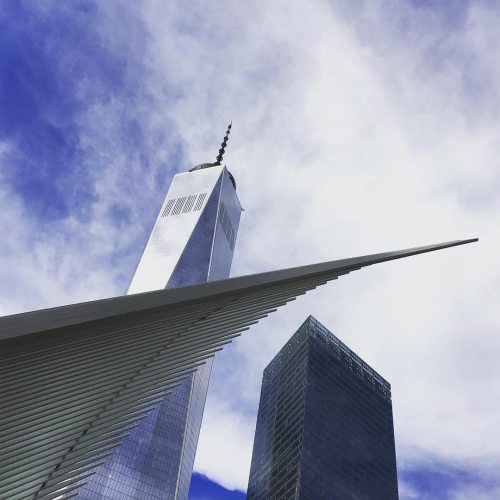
{"type": "Point", "coordinates": [75, 379]}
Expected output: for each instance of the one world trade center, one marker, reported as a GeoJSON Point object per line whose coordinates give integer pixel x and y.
{"type": "Point", "coordinates": [191, 242]}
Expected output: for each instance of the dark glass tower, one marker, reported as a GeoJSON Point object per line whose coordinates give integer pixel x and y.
{"type": "Point", "coordinates": [324, 427]}
{"type": "Point", "coordinates": [191, 242]}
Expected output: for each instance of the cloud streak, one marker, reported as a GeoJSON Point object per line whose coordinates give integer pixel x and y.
{"type": "Point", "coordinates": [357, 128]}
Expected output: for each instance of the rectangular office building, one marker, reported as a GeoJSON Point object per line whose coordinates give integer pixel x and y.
{"type": "Point", "coordinates": [324, 427]}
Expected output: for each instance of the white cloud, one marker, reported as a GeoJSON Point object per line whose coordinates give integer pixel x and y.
{"type": "Point", "coordinates": [219, 448]}
{"type": "Point", "coordinates": [358, 130]}
{"type": "Point", "coordinates": [359, 143]}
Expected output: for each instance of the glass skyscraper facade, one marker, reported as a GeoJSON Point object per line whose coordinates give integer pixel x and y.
{"type": "Point", "coordinates": [324, 426]}
{"type": "Point", "coordinates": [192, 241]}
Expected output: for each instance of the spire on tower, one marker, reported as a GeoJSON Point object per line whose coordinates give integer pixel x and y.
{"type": "Point", "coordinates": [218, 160]}
{"type": "Point", "coordinates": [223, 145]}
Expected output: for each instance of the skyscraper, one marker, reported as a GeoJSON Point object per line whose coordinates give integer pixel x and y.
{"type": "Point", "coordinates": [324, 426]}
{"type": "Point", "coordinates": [191, 242]}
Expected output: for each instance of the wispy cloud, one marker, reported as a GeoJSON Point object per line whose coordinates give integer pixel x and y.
{"type": "Point", "coordinates": [87, 149]}
{"type": "Point", "coordinates": [427, 478]}
{"type": "Point", "coordinates": [358, 127]}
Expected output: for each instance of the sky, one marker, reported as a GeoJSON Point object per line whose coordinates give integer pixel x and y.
{"type": "Point", "coordinates": [358, 127]}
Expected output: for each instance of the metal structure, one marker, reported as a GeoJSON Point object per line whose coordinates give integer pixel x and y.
{"type": "Point", "coordinates": [324, 426]}
{"type": "Point", "coordinates": [74, 380]}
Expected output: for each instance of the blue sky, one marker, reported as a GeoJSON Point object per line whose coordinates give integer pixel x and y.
{"type": "Point", "coordinates": [46, 56]}
{"type": "Point", "coordinates": [371, 125]}
{"type": "Point", "coordinates": [203, 489]}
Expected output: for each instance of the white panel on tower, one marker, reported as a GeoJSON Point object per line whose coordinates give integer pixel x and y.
{"type": "Point", "coordinates": [171, 233]}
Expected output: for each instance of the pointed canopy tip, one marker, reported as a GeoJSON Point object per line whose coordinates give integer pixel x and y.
{"type": "Point", "coordinates": [458, 242]}
{"type": "Point", "coordinates": [431, 248]}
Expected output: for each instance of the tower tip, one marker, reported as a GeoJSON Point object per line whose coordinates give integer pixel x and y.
{"type": "Point", "coordinates": [223, 145]}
